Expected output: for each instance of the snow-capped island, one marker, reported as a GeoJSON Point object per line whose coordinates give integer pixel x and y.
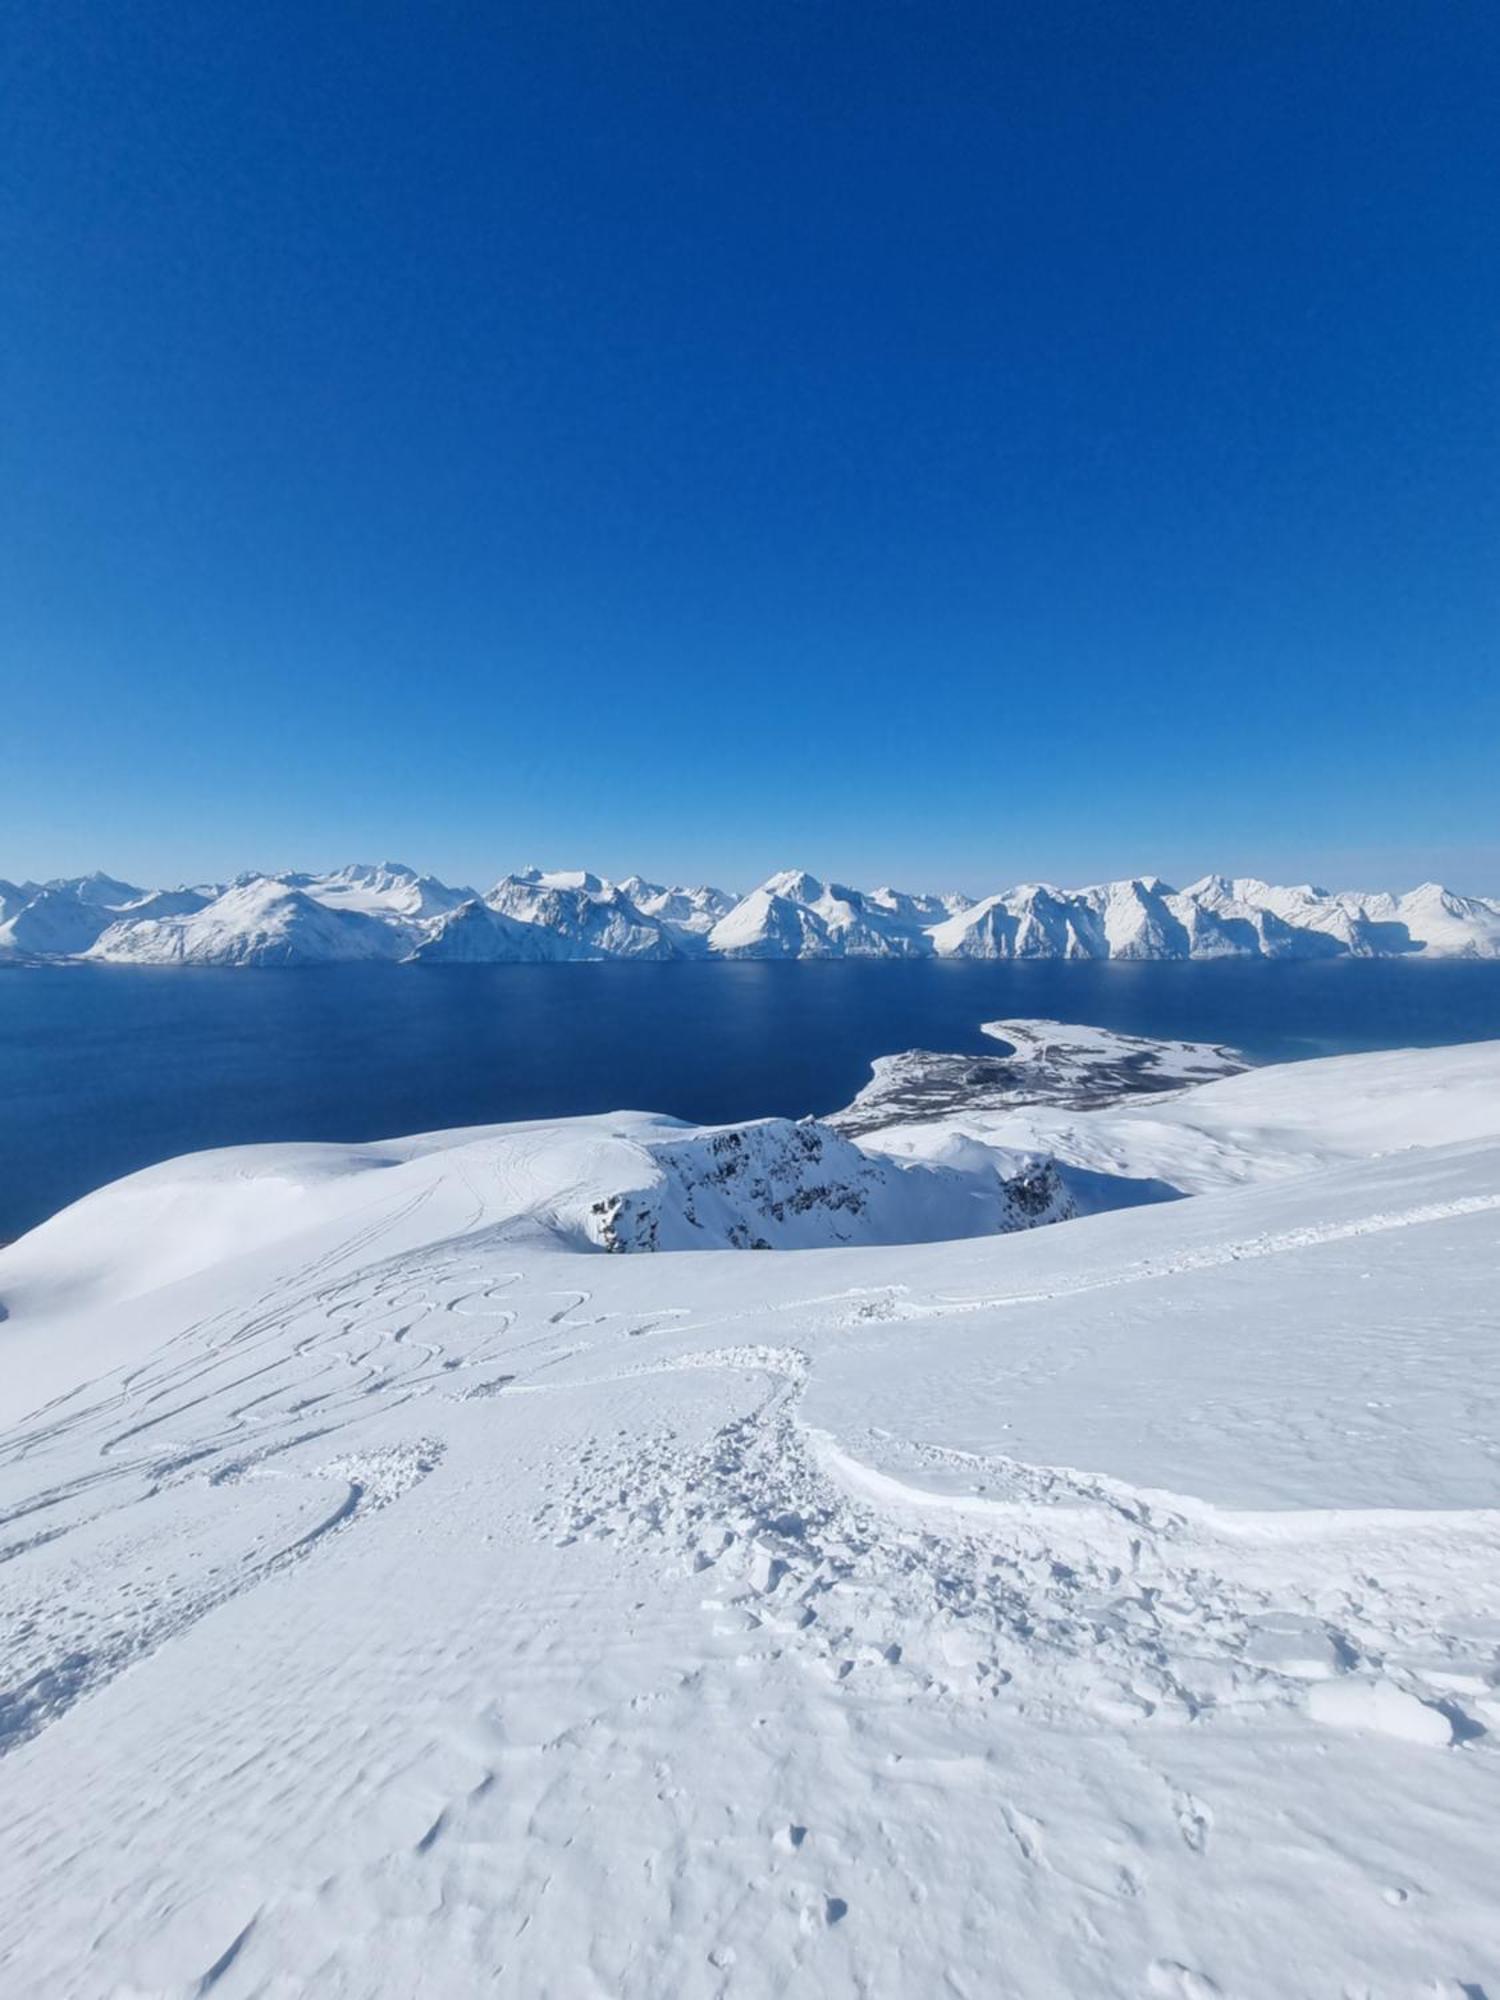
{"type": "Point", "coordinates": [388, 911]}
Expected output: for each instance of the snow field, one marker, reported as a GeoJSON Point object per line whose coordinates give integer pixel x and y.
{"type": "Point", "coordinates": [408, 1603]}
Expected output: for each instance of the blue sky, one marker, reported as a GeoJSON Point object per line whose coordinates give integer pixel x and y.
{"type": "Point", "coordinates": [950, 444]}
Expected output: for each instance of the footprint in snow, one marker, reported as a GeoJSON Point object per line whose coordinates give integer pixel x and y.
{"type": "Point", "coordinates": [1169, 1977]}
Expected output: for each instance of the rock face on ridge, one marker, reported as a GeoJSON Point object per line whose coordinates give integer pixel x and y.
{"type": "Point", "coordinates": [779, 1185]}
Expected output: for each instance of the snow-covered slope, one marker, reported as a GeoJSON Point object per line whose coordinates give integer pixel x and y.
{"type": "Point", "coordinates": [1138, 921]}
{"type": "Point", "coordinates": [914, 912]}
{"type": "Point", "coordinates": [105, 892]}
{"type": "Point", "coordinates": [1442, 923]}
{"type": "Point", "coordinates": [259, 922]}
{"type": "Point", "coordinates": [693, 912]}
{"type": "Point", "coordinates": [55, 923]}
{"type": "Point", "coordinates": [381, 889]}
{"type": "Point", "coordinates": [632, 1181]}
{"type": "Point", "coordinates": [1228, 1132]}
{"type": "Point", "coordinates": [183, 902]}
{"type": "Point", "coordinates": [1030, 922]}
{"type": "Point", "coordinates": [795, 915]}
{"type": "Point", "coordinates": [1221, 921]}
{"type": "Point", "coordinates": [398, 1600]}
{"type": "Point", "coordinates": [474, 934]}
{"type": "Point", "coordinates": [60, 919]}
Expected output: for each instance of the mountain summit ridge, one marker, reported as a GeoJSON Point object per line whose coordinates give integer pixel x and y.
{"type": "Point", "coordinates": [388, 911]}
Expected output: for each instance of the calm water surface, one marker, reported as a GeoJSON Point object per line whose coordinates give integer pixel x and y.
{"type": "Point", "coordinates": [105, 1070]}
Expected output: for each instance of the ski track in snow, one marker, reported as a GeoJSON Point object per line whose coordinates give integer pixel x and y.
{"type": "Point", "coordinates": [1074, 1594]}
{"type": "Point", "coordinates": [195, 1412]}
{"type": "Point", "coordinates": [926, 1633]}
{"type": "Point", "coordinates": [891, 1306]}
{"type": "Point", "coordinates": [1069, 1567]}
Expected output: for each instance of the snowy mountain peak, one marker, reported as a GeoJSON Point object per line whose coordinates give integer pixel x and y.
{"type": "Point", "coordinates": [382, 889]}
{"type": "Point", "coordinates": [792, 914]}
{"type": "Point", "coordinates": [373, 874]}
{"type": "Point", "coordinates": [795, 884]}
{"type": "Point", "coordinates": [475, 934]}
{"type": "Point", "coordinates": [254, 923]}
{"type": "Point", "coordinates": [101, 891]}
{"type": "Point", "coordinates": [600, 921]}
{"type": "Point", "coordinates": [564, 878]}
{"type": "Point", "coordinates": [692, 913]}
{"type": "Point", "coordinates": [59, 921]}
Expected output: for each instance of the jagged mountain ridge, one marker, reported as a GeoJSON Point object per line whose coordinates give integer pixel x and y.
{"type": "Point", "coordinates": [388, 911]}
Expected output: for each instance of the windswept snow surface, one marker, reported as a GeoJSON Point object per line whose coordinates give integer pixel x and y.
{"type": "Point", "coordinates": [399, 1599]}
{"type": "Point", "coordinates": [790, 915]}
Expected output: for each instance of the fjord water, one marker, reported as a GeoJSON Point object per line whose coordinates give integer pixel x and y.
{"type": "Point", "coordinates": [103, 1071]}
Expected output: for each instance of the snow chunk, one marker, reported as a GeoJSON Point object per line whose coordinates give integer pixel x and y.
{"type": "Point", "coordinates": [1381, 1708]}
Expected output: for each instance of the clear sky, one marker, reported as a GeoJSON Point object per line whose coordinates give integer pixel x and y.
{"type": "Point", "coordinates": [932, 442]}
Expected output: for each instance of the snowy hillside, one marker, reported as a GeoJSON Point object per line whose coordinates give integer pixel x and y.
{"type": "Point", "coordinates": [690, 911]}
{"type": "Point", "coordinates": [793, 915]}
{"type": "Point", "coordinates": [475, 934]}
{"type": "Point", "coordinates": [776, 1185]}
{"type": "Point", "coordinates": [258, 922]}
{"type": "Point", "coordinates": [55, 923]}
{"type": "Point", "coordinates": [382, 889]}
{"type": "Point", "coordinates": [62, 919]}
{"type": "Point", "coordinates": [402, 1596]}
{"type": "Point", "coordinates": [790, 915]}
{"type": "Point", "coordinates": [1112, 1126]}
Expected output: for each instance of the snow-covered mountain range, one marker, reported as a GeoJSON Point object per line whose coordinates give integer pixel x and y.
{"type": "Point", "coordinates": [389, 911]}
